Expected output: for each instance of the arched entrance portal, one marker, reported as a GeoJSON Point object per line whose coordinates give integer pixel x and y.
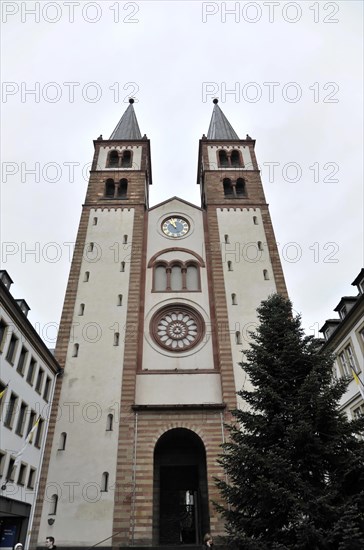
{"type": "Point", "coordinates": [180, 499]}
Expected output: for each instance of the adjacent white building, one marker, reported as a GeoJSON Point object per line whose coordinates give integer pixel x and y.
{"type": "Point", "coordinates": [27, 376]}
{"type": "Point", "coordinates": [345, 337]}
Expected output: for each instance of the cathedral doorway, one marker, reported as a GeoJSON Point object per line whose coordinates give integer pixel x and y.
{"type": "Point", "coordinates": [180, 498]}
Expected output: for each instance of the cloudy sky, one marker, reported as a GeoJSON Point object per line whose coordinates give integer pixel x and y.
{"type": "Point", "coordinates": [287, 73]}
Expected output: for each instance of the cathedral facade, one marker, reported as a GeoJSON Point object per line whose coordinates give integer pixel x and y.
{"type": "Point", "coordinates": [158, 308]}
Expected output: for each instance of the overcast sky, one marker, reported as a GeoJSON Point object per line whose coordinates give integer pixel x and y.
{"type": "Point", "coordinates": [289, 75]}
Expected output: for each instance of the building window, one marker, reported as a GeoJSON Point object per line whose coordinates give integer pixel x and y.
{"type": "Point", "coordinates": [86, 277]}
{"type": "Point", "coordinates": [76, 348]}
{"type": "Point", "coordinates": [223, 159]}
{"type": "Point", "coordinates": [125, 239]}
{"type": "Point", "coordinates": [31, 422]}
{"type": "Point", "coordinates": [53, 505]}
{"type": "Point", "coordinates": [109, 422]}
{"type": "Point", "coordinates": [81, 310]}
{"type": "Point", "coordinates": [116, 338]}
{"type": "Point", "coordinates": [123, 189]}
{"type": "Point", "coordinates": [228, 188]}
{"type": "Point", "coordinates": [10, 411]}
{"type": "Point", "coordinates": [12, 349]}
{"type": "Point", "coordinates": [358, 412]}
{"type": "Point", "coordinates": [347, 362]}
{"type": "Point", "coordinates": [255, 220]}
{"type": "Point", "coordinates": [226, 239]}
{"type": "Point", "coordinates": [21, 475]}
{"type": "Point", "coordinates": [62, 441]}
{"type": "Point", "coordinates": [237, 337]}
{"type": "Point", "coordinates": [176, 277]}
{"type": "Point", "coordinates": [47, 387]}
{"type": "Point", "coordinates": [11, 470]}
{"type": "Point", "coordinates": [94, 221]}
{"type": "Point", "coordinates": [31, 371]}
{"type": "Point", "coordinates": [240, 187]}
{"type": "Point", "coordinates": [105, 482]}
{"type": "Point", "coordinates": [109, 188]}
{"type": "Point", "coordinates": [21, 362]}
{"type": "Point", "coordinates": [120, 300]}
{"type": "Point", "coordinates": [265, 275]}
{"type": "Point", "coordinates": [122, 267]}
{"type": "Point", "coordinates": [260, 246]}
{"type": "Point", "coordinates": [2, 462]}
{"type": "Point", "coordinates": [91, 247]}
{"type": "Point", "coordinates": [126, 159]}
{"type": "Point", "coordinates": [39, 382]}
{"type": "Point", "coordinates": [230, 266]}
{"type": "Point", "coordinates": [113, 160]}
{"type": "Point", "coordinates": [21, 419]}
{"type": "Point", "coordinates": [3, 327]}
{"type": "Point", "coordinates": [234, 300]}
{"type": "Point", "coordinates": [39, 433]}
{"type": "Point", "coordinates": [343, 311]}
{"type": "Point", "coordinates": [235, 158]}
{"type": "Point", "coordinates": [31, 478]}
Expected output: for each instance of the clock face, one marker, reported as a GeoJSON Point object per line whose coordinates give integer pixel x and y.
{"type": "Point", "coordinates": [175, 227]}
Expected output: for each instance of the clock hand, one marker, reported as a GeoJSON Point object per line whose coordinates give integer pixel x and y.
{"type": "Point", "coordinates": [173, 222]}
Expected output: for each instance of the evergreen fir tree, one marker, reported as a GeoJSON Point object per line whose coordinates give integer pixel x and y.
{"type": "Point", "coordinates": [294, 462]}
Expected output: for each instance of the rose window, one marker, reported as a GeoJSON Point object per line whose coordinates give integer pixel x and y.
{"type": "Point", "coordinates": [177, 328]}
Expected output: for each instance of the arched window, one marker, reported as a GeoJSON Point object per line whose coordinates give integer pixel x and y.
{"type": "Point", "coordinates": [240, 187]}
{"type": "Point", "coordinates": [105, 482]}
{"type": "Point", "coordinates": [235, 158]}
{"type": "Point", "coordinates": [53, 505]}
{"type": "Point", "coordinates": [260, 246]}
{"type": "Point", "coordinates": [76, 348]}
{"type": "Point", "coordinates": [123, 189]}
{"type": "Point", "coordinates": [233, 300]}
{"type": "Point", "coordinates": [255, 220]}
{"type": "Point", "coordinates": [94, 221]}
{"type": "Point", "coordinates": [237, 337]}
{"type": "Point", "coordinates": [228, 188]}
{"type": "Point", "coordinates": [223, 158]}
{"type": "Point", "coordinates": [160, 277]}
{"type": "Point", "coordinates": [265, 275]}
{"type": "Point", "coordinates": [81, 311]}
{"type": "Point", "coordinates": [176, 278]}
{"type": "Point", "coordinates": [230, 266]}
{"type": "Point", "coordinates": [116, 338]}
{"type": "Point", "coordinates": [62, 441]}
{"type": "Point", "coordinates": [109, 422]}
{"type": "Point", "coordinates": [86, 277]}
{"type": "Point", "coordinates": [113, 159]}
{"type": "Point", "coordinates": [120, 300]}
{"type": "Point", "coordinates": [109, 188]}
{"type": "Point", "coordinates": [122, 267]}
{"type": "Point", "coordinates": [226, 238]}
{"type": "Point", "coordinates": [126, 159]}
{"type": "Point", "coordinates": [192, 278]}
{"type": "Point", "coordinates": [125, 239]}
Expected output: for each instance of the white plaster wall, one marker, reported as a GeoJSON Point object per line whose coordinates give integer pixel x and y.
{"type": "Point", "coordinates": [104, 151]}
{"type": "Point", "coordinates": [91, 388]}
{"type": "Point", "coordinates": [246, 279]}
{"type": "Point", "coordinates": [180, 389]}
{"type": "Point", "coordinates": [212, 151]}
{"type": "Point", "coordinates": [154, 357]}
{"type": "Point", "coordinates": [12, 443]}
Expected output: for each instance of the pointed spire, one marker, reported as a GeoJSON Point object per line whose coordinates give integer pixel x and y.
{"type": "Point", "coordinates": [220, 127]}
{"type": "Point", "coordinates": [127, 127]}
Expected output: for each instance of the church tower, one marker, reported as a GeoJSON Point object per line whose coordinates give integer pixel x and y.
{"type": "Point", "coordinates": [159, 305]}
